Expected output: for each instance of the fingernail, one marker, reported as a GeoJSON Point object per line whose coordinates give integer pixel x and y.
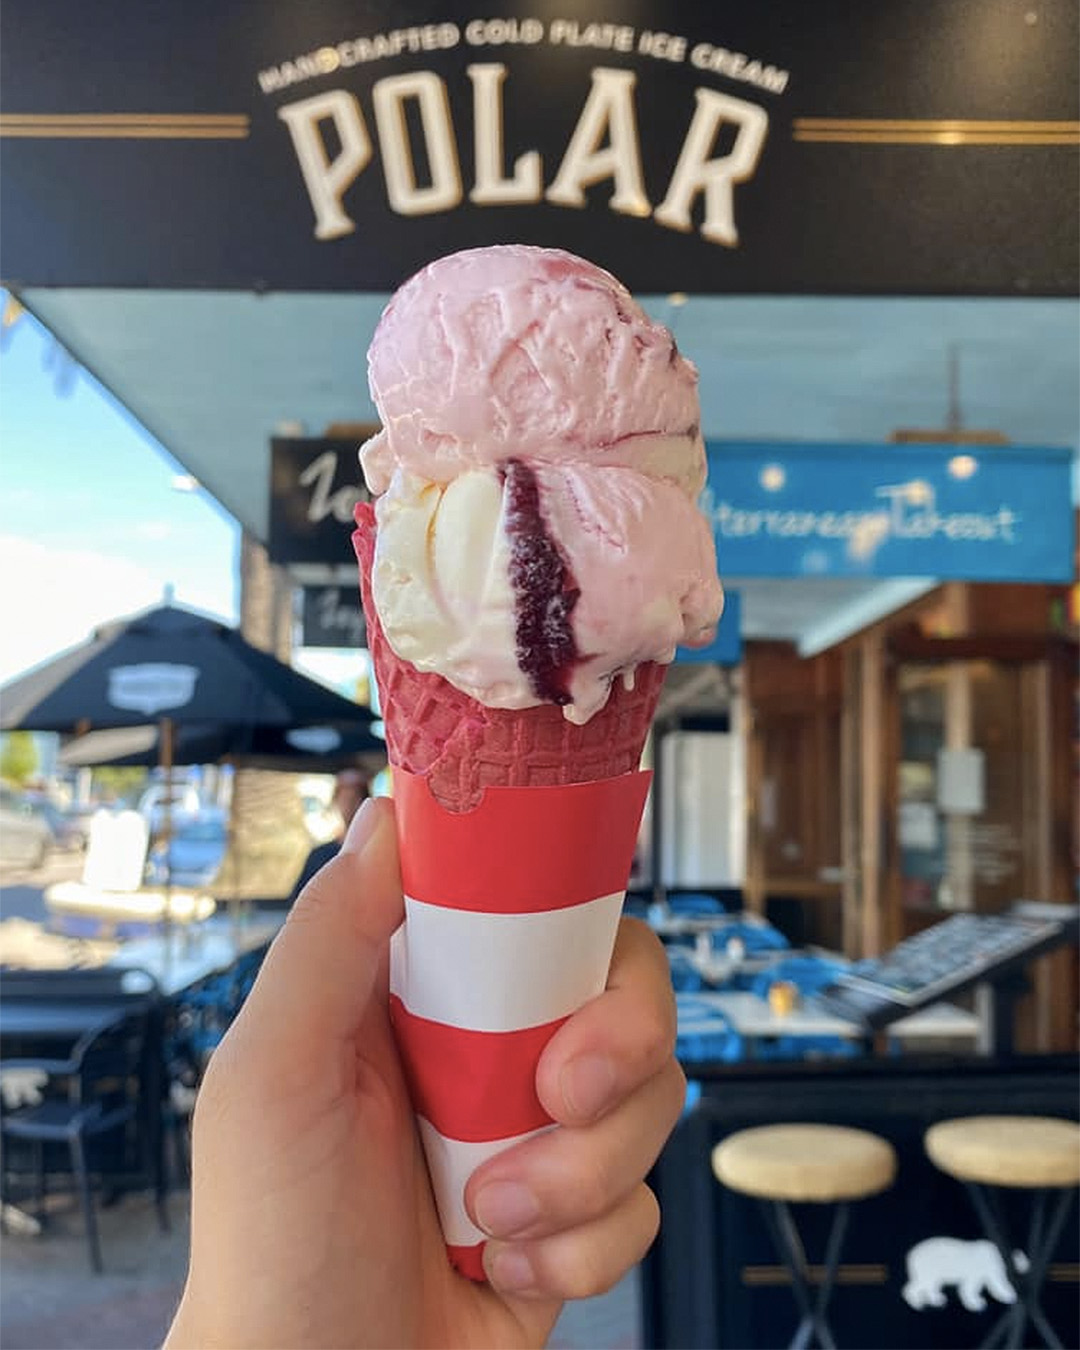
{"type": "Point", "coordinates": [504, 1208]}
{"type": "Point", "coordinates": [587, 1085]}
{"type": "Point", "coordinates": [362, 827]}
{"type": "Point", "coordinates": [510, 1269]}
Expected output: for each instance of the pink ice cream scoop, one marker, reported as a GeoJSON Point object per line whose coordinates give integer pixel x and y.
{"type": "Point", "coordinates": [528, 353]}
{"type": "Point", "coordinates": [538, 468]}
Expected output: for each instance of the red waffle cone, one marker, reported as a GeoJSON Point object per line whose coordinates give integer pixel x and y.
{"type": "Point", "coordinates": [462, 747]}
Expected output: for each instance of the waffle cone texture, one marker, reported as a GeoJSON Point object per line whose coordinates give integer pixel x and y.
{"type": "Point", "coordinates": [462, 747]}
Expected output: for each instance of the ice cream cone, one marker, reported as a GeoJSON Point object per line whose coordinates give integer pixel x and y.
{"type": "Point", "coordinates": [540, 558]}
{"type": "Point", "coordinates": [462, 747]}
{"type": "Point", "coordinates": [517, 832]}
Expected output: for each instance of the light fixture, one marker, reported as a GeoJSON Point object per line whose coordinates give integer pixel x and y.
{"type": "Point", "coordinates": [962, 466]}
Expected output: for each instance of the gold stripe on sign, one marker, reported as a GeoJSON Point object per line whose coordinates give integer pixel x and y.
{"type": "Point", "coordinates": [929, 138]}
{"type": "Point", "coordinates": [927, 124]}
{"type": "Point", "coordinates": [928, 131]}
{"type": "Point", "coordinates": [132, 134]}
{"type": "Point", "coordinates": [846, 1274]}
{"type": "Point", "coordinates": [125, 126]}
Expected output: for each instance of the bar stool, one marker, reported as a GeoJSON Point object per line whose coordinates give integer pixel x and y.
{"type": "Point", "coordinates": [1032, 1153]}
{"type": "Point", "coordinates": [781, 1165]}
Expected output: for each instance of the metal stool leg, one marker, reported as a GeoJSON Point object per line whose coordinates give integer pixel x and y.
{"type": "Point", "coordinates": [1042, 1239]}
{"type": "Point", "coordinates": [789, 1248]}
{"type": "Point", "coordinates": [832, 1264]}
{"type": "Point", "coordinates": [1040, 1263]}
{"type": "Point", "coordinates": [1003, 1328]}
{"type": "Point", "coordinates": [789, 1245]}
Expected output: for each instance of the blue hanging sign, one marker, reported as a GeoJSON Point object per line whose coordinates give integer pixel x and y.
{"type": "Point", "coordinates": [726, 647]}
{"type": "Point", "coordinates": [948, 512]}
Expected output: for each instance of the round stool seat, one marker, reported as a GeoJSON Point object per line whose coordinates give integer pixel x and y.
{"type": "Point", "coordinates": [1022, 1151]}
{"type": "Point", "coordinates": [821, 1163]}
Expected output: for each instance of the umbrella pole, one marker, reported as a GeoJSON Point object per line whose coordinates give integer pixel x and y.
{"type": "Point", "coordinates": [165, 739]}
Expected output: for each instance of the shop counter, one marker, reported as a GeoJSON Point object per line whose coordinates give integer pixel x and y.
{"type": "Point", "coordinates": [713, 1278]}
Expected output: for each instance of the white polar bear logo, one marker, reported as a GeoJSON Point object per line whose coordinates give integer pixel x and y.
{"type": "Point", "coordinates": [975, 1268]}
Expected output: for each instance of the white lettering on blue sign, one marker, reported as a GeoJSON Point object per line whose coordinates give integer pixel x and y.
{"type": "Point", "coordinates": [913, 514]}
{"type": "Point", "coordinates": [910, 512]}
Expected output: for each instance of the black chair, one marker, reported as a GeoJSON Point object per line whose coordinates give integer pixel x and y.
{"type": "Point", "coordinates": [93, 1092]}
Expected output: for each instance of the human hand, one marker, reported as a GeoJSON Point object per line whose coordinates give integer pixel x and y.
{"type": "Point", "coordinates": [313, 1222]}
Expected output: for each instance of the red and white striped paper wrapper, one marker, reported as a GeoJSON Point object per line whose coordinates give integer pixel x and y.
{"type": "Point", "coordinates": [511, 912]}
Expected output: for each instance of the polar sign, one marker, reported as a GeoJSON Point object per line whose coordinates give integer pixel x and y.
{"type": "Point", "coordinates": [722, 148]}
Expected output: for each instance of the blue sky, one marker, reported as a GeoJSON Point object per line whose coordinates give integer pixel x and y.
{"type": "Point", "coordinates": [91, 526]}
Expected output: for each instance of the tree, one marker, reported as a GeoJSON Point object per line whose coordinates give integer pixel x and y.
{"type": "Point", "coordinates": [18, 756]}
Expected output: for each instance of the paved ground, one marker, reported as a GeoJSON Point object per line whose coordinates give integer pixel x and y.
{"type": "Point", "coordinates": [50, 1300]}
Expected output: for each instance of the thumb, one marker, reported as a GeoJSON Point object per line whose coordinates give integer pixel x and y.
{"type": "Point", "coordinates": [320, 972]}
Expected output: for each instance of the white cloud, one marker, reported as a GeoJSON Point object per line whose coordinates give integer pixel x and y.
{"type": "Point", "coordinates": [53, 598]}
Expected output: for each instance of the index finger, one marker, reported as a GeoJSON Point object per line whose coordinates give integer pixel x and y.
{"type": "Point", "coordinates": [616, 1042]}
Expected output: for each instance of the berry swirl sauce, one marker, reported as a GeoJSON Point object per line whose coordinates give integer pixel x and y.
{"type": "Point", "coordinates": [545, 592]}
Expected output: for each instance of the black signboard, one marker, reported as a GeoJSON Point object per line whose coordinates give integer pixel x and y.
{"type": "Point", "coordinates": [914, 146]}
{"type": "Point", "coordinates": [332, 616]}
{"type": "Point", "coordinates": [315, 483]}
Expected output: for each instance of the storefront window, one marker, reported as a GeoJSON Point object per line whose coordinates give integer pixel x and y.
{"type": "Point", "coordinates": [971, 794]}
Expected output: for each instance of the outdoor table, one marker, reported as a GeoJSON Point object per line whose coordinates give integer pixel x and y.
{"type": "Point", "coordinates": [177, 962]}
{"type": "Point", "coordinates": [676, 925]}
{"type": "Point", "coordinates": [754, 1019]}
{"type": "Point", "coordinates": [717, 968]}
{"type": "Point", "coordinates": [72, 899]}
